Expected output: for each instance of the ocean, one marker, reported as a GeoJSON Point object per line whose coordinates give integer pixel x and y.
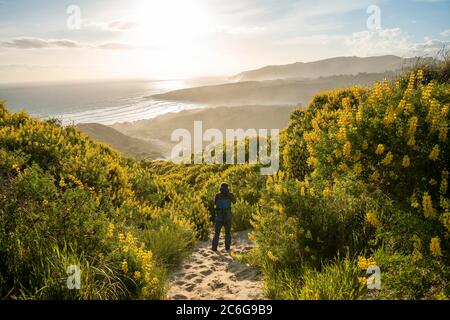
{"type": "Point", "coordinates": [97, 102]}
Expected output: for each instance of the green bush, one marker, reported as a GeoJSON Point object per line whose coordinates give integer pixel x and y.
{"type": "Point", "coordinates": [337, 280]}
{"type": "Point", "coordinates": [242, 215]}
{"type": "Point", "coordinates": [169, 241]}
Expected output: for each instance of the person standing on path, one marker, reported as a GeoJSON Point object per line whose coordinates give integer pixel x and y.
{"type": "Point", "coordinates": [222, 203]}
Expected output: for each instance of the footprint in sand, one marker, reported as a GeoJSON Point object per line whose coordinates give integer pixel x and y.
{"type": "Point", "coordinates": [190, 276]}
{"type": "Point", "coordinates": [215, 275]}
{"type": "Point", "coordinates": [206, 272]}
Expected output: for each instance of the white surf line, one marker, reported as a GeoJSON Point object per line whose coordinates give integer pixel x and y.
{"type": "Point", "coordinates": [128, 113]}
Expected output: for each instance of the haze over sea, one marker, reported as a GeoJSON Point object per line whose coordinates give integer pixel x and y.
{"type": "Point", "coordinates": [105, 102]}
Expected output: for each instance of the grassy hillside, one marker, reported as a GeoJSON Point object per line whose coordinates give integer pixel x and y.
{"type": "Point", "coordinates": [129, 146]}
{"type": "Point", "coordinates": [66, 200]}
{"type": "Point", "coordinates": [364, 181]}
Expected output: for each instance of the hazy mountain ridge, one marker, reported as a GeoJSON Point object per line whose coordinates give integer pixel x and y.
{"type": "Point", "coordinates": [326, 68]}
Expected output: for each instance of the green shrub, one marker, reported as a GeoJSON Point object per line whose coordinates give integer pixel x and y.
{"type": "Point", "coordinates": [337, 280]}
{"type": "Point", "coordinates": [242, 215]}
{"type": "Point", "coordinates": [169, 241]}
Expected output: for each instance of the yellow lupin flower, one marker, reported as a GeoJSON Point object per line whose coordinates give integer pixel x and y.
{"type": "Point", "coordinates": [364, 263]}
{"type": "Point", "coordinates": [342, 135]}
{"type": "Point", "coordinates": [343, 167]}
{"type": "Point", "coordinates": [389, 117]}
{"type": "Point", "coordinates": [326, 192]}
{"type": "Point", "coordinates": [427, 204]}
{"type": "Point", "coordinates": [412, 126]}
{"type": "Point", "coordinates": [388, 159]}
{"type": "Point", "coordinates": [444, 203]}
{"type": "Point", "coordinates": [312, 161]}
{"type": "Point", "coordinates": [426, 93]}
{"type": "Point", "coordinates": [446, 220]}
{"type": "Point", "coordinates": [401, 106]}
{"type": "Point", "coordinates": [362, 281]}
{"type": "Point", "coordinates": [357, 168]}
{"type": "Point", "coordinates": [444, 183]}
{"type": "Point", "coordinates": [420, 75]}
{"type": "Point", "coordinates": [380, 149]}
{"type": "Point", "coordinates": [347, 149]}
{"type": "Point", "coordinates": [434, 154]}
{"type": "Point", "coordinates": [302, 191]}
{"type": "Point", "coordinates": [374, 176]}
{"type": "Point", "coordinates": [110, 230]}
{"type": "Point", "coordinates": [359, 115]}
{"type": "Point", "coordinates": [406, 162]}
{"type": "Point", "coordinates": [411, 142]}
{"type": "Point", "coordinates": [272, 256]}
{"type": "Point", "coordinates": [124, 266]}
{"type": "Point", "coordinates": [372, 219]}
{"type": "Point", "coordinates": [435, 247]}
{"type": "Point", "coordinates": [137, 275]}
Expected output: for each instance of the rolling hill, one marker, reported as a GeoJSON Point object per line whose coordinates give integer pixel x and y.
{"type": "Point", "coordinates": [245, 117]}
{"type": "Point", "coordinates": [129, 146]}
{"type": "Point", "coordinates": [270, 92]}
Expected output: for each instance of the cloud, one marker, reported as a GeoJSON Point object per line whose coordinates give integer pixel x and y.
{"type": "Point", "coordinates": [113, 26]}
{"type": "Point", "coordinates": [121, 26]}
{"type": "Point", "coordinates": [429, 47]}
{"type": "Point", "coordinates": [115, 46]}
{"type": "Point", "coordinates": [38, 43]}
{"type": "Point", "coordinates": [370, 43]}
{"type": "Point", "coordinates": [445, 33]}
{"type": "Point", "coordinates": [385, 41]}
{"type": "Point", "coordinates": [391, 41]}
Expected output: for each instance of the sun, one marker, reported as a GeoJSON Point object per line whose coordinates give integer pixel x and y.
{"type": "Point", "coordinates": [169, 36]}
{"type": "Point", "coordinates": [170, 23]}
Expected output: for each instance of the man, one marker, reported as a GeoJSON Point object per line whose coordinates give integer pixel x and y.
{"type": "Point", "coordinates": [223, 202]}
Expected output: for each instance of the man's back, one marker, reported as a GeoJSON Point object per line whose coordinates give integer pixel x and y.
{"type": "Point", "coordinates": [223, 201]}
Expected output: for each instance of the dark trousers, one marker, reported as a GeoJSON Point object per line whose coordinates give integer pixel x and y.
{"type": "Point", "coordinates": [222, 219]}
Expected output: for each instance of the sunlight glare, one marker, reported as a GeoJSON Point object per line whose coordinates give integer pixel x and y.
{"type": "Point", "coordinates": [170, 23]}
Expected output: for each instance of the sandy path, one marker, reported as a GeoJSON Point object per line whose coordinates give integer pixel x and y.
{"type": "Point", "coordinates": [216, 275]}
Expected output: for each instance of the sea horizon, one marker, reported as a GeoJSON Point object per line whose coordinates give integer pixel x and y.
{"type": "Point", "coordinates": [105, 101]}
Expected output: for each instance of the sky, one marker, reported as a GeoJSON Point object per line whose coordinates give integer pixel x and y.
{"type": "Point", "coordinates": [59, 40]}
